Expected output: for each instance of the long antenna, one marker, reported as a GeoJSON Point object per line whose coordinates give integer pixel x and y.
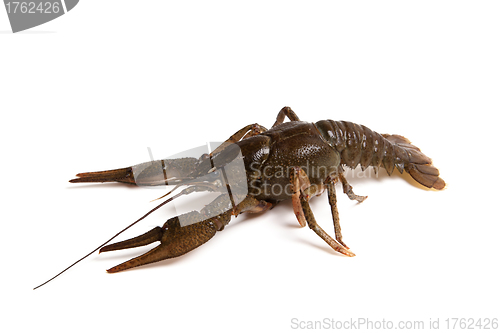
{"type": "Point", "coordinates": [109, 240]}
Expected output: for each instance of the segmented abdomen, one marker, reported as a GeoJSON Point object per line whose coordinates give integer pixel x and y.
{"type": "Point", "coordinates": [357, 144]}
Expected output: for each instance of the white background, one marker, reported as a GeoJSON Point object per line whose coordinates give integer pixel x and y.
{"type": "Point", "coordinates": [94, 88]}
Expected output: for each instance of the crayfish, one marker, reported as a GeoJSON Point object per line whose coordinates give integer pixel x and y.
{"type": "Point", "coordinates": [255, 169]}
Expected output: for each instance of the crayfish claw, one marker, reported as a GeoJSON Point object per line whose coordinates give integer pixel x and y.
{"type": "Point", "coordinates": [156, 254]}
{"type": "Point", "coordinates": [175, 239]}
{"type": "Point", "coordinates": [149, 237]}
{"type": "Point", "coordinates": [123, 175]}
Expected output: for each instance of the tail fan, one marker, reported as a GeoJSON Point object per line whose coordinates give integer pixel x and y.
{"type": "Point", "coordinates": [418, 165]}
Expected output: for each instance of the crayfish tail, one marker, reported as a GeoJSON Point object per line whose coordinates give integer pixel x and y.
{"type": "Point", "coordinates": [427, 175]}
{"type": "Point", "coordinates": [123, 175]}
{"type": "Point", "coordinates": [409, 157]}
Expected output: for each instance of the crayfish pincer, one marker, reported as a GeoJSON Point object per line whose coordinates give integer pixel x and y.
{"type": "Point", "coordinates": [255, 169]}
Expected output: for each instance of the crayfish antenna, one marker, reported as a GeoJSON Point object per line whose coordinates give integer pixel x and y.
{"type": "Point", "coordinates": [166, 195]}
